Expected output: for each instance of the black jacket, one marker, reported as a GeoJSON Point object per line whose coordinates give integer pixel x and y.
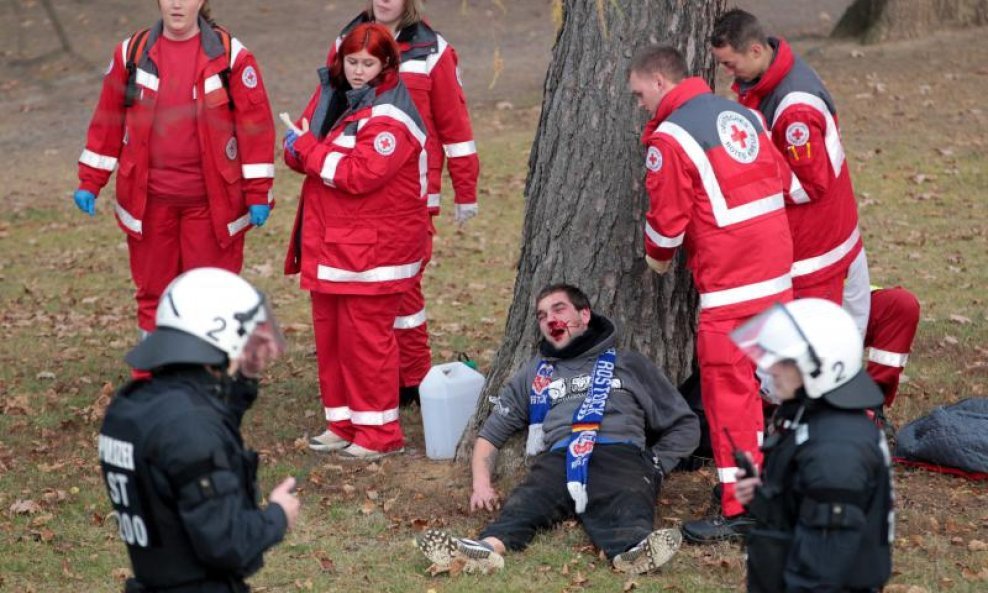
{"type": "Point", "coordinates": [824, 510]}
{"type": "Point", "coordinates": [182, 483]}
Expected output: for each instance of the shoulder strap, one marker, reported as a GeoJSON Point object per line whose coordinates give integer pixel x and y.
{"type": "Point", "coordinates": [135, 52]}
{"type": "Point", "coordinates": [224, 75]}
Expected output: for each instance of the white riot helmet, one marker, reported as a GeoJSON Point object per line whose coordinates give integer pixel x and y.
{"type": "Point", "coordinates": [824, 343]}
{"type": "Point", "coordinates": [209, 316]}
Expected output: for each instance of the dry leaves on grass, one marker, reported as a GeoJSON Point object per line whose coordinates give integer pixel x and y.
{"type": "Point", "coordinates": [25, 507]}
{"type": "Point", "coordinates": [905, 589]}
{"type": "Point", "coordinates": [977, 546]}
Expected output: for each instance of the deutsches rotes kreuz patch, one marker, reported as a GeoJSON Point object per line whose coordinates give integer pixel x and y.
{"type": "Point", "coordinates": [738, 136]}
{"type": "Point", "coordinates": [249, 77]}
{"type": "Point", "coordinates": [653, 159]}
{"type": "Point", "coordinates": [797, 134]}
{"type": "Point", "coordinates": [231, 149]}
{"type": "Point", "coordinates": [384, 143]}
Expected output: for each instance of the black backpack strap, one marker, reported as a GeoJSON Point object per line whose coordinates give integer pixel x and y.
{"type": "Point", "coordinates": [224, 74]}
{"type": "Point", "coordinates": [135, 51]}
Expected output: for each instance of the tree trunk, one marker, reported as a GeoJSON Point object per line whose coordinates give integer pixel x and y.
{"type": "Point", "coordinates": [585, 197]}
{"type": "Point", "coordinates": [874, 21]}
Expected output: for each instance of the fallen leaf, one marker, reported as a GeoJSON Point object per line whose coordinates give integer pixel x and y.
{"type": "Point", "coordinates": [368, 507]}
{"type": "Point", "coordinates": [950, 340]}
{"type": "Point", "coordinates": [25, 507]}
{"type": "Point", "coordinates": [960, 319]}
{"type": "Point", "coordinates": [629, 585]}
{"type": "Point", "coordinates": [45, 375]}
{"type": "Point", "coordinates": [976, 545]}
{"type": "Point", "coordinates": [372, 494]}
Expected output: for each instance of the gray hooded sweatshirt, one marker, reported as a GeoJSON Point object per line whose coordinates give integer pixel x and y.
{"type": "Point", "coordinates": [643, 406]}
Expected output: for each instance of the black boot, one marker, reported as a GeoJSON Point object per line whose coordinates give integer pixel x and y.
{"type": "Point", "coordinates": [408, 396]}
{"type": "Point", "coordinates": [717, 529]}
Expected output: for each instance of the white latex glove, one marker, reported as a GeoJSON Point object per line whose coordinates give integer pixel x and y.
{"type": "Point", "coordinates": [464, 212]}
{"type": "Point", "coordinates": [659, 267]}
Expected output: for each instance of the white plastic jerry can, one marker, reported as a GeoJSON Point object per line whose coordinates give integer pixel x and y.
{"type": "Point", "coordinates": [449, 396]}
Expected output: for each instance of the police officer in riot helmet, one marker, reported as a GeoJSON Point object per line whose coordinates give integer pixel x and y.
{"type": "Point", "coordinates": [823, 500]}
{"type": "Point", "coordinates": [182, 484]}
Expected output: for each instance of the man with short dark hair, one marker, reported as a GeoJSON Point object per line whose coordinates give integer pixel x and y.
{"type": "Point", "coordinates": [829, 260]}
{"type": "Point", "coordinates": [604, 425]}
{"type": "Point", "coordinates": [717, 187]}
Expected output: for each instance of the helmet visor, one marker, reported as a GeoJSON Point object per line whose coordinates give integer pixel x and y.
{"type": "Point", "coordinates": [771, 336]}
{"type": "Point", "coordinates": [266, 341]}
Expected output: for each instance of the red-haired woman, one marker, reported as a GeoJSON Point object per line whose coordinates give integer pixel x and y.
{"type": "Point", "coordinates": [429, 70]}
{"type": "Point", "coordinates": [360, 235]}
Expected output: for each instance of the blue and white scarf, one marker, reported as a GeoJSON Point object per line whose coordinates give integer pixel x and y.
{"type": "Point", "coordinates": [586, 422]}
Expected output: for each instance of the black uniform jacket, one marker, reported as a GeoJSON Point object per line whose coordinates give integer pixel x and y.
{"type": "Point", "coordinates": [824, 510]}
{"type": "Point", "coordinates": [182, 483]}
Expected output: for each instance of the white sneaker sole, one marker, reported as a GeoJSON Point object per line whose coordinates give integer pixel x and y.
{"type": "Point", "coordinates": [372, 456]}
{"type": "Point", "coordinates": [443, 551]}
{"type": "Point", "coordinates": [659, 548]}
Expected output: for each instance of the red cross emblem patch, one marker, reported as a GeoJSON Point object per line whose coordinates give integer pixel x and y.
{"type": "Point", "coordinates": [738, 136]}
{"type": "Point", "coordinates": [653, 159]}
{"type": "Point", "coordinates": [384, 143]}
{"type": "Point", "coordinates": [249, 77]}
{"type": "Point", "coordinates": [797, 134]}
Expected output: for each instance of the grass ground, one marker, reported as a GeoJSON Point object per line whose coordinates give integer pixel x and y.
{"type": "Point", "coordinates": [914, 123]}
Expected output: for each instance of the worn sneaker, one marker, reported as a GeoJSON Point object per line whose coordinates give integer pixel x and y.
{"type": "Point", "coordinates": [717, 529]}
{"type": "Point", "coordinates": [653, 551]}
{"type": "Point", "coordinates": [354, 452]}
{"type": "Point", "coordinates": [327, 441]}
{"type": "Point", "coordinates": [445, 552]}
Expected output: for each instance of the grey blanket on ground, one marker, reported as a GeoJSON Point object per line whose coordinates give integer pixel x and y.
{"type": "Point", "coordinates": [952, 436]}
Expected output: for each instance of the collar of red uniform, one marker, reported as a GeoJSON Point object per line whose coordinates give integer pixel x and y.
{"type": "Point", "coordinates": [782, 63]}
{"type": "Point", "coordinates": [674, 99]}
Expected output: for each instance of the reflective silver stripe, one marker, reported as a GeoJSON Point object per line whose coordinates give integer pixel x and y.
{"type": "Point", "coordinates": [258, 171]}
{"type": "Point", "coordinates": [128, 220]}
{"type": "Point", "coordinates": [435, 200]}
{"type": "Point", "coordinates": [235, 48]}
{"type": "Point", "coordinates": [213, 83]}
{"type": "Point", "coordinates": [381, 274]}
{"type": "Point", "coordinates": [374, 418]}
{"type": "Point", "coordinates": [889, 359]}
{"type": "Point", "coordinates": [423, 172]}
{"type": "Point", "coordinates": [723, 214]}
{"type": "Point", "coordinates": [433, 59]}
{"type": "Point", "coordinates": [727, 475]}
{"type": "Point", "coordinates": [796, 191]}
{"type": "Point", "coordinates": [329, 165]}
{"type": "Point", "coordinates": [819, 262]}
{"type": "Point", "coordinates": [98, 161]}
{"type": "Point", "coordinates": [238, 225]}
{"type": "Point", "coordinates": [460, 149]}
{"type": "Point", "coordinates": [835, 150]}
{"type": "Point", "coordinates": [337, 414]}
{"type": "Point", "coordinates": [663, 241]}
{"type": "Point", "coordinates": [147, 80]}
{"type": "Point", "coordinates": [414, 67]}
{"type": "Point", "coordinates": [345, 140]}
{"type": "Point", "coordinates": [398, 115]}
{"type": "Point", "coordinates": [410, 321]}
{"type": "Point", "coordinates": [748, 292]}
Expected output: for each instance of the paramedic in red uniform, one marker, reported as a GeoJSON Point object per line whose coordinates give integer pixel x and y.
{"type": "Point", "coordinates": [190, 128]}
{"type": "Point", "coordinates": [802, 119]}
{"type": "Point", "coordinates": [889, 339]}
{"type": "Point", "coordinates": [360, 235]}
{"type": "Point", "coordinates": [716, 187]}
{"type": "Point", "coordinates": [430, 72]}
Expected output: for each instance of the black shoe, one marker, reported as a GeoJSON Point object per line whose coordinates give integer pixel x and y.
{"type": "Point", "coordinates": [408, 396]}
{"type": "Point", "coordinates": [717, 529]}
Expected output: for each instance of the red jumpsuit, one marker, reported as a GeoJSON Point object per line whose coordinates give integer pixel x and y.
{"type": "Point", "coordinates": [429, 70]}
{"type": "Point", "coordinates": [237, 162]}
{"type": "Point", "coordinates": [803, 124]}
{"type": "Point", "coordinates": [891, 329]}
{"type": "Point", "coordinates": [359, 242]}
{"type": "Point", "coordinates": [717, 186]}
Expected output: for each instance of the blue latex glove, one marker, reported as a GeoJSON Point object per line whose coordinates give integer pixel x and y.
{"type": "Point", "coordinates": [259, 214]}
{"type": "Point", "coordinates": [290, 137]}
{"type": "Point", "coordinates": [86, 201]}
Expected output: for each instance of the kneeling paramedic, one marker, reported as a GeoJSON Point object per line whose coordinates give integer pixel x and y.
{"type": "Point", "coordinates": [182, 484]}
{"type": "Point", "coordinates": [823, 503]}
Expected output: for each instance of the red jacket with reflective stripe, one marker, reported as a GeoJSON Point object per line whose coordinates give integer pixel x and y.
{"type": "Point", "coordinates": [429, 69]}
{"type": "Point", "coordinates": [717, 186]}
{"type": "Point", "coordinates": [362, 218]}
{"type": "Point", "coordinates": [237, 144]}
{"type": "Point", "coordinates": [803, 122]}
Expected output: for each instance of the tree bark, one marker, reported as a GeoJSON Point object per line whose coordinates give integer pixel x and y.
{"type": "Point", "coordinates": [585, 197]}
{"type": "Point", "coordinates": [875, 21]}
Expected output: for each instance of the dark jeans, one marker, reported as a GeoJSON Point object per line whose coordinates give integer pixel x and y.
{"type": "Point", "coordinates": [622, 490]}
